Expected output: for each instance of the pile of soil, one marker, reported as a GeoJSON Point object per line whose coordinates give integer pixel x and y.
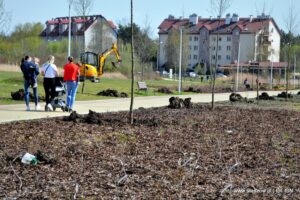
{"type": "Point", "coordinates": [285, 95]}
{"type": "Point", "coordinates": [235, 97]}
{"type": "Point", "coordinates": [19, 95]}
{"type": "Point", "coordinates": [199, 153]}
{"type": "Point", "coordinates": [164, 90]}
{"type": "Point", "coordinates": [193, 89]}
{"type": "Point", "coordinates": [112, 93]}
{"type": "Point", "coordinates": [177, 103]}
{"type": "Point", "coordinates": [265, 96]}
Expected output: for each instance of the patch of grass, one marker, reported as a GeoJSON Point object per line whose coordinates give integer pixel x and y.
{"type": "Point", "coordinates": [13, 81]}
{"type": "Point", "coordinates": [120, 137]}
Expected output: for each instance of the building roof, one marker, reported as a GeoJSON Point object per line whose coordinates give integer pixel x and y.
{"type": "Point", "coordinates": [87, 20]}
{"type": "Point", "coordinates": [213, 25]}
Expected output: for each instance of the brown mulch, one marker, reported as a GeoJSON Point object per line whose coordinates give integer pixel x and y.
{"type": "Point", "coordinates": [167, 154]}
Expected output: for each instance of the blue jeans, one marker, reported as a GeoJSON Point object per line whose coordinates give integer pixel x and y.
{"type": "Point", "coordinates": [71, 93]}
{"type": "Point", "coordinates": [26, 95]}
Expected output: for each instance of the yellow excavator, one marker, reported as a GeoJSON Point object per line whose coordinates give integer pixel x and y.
{"type": "Point", "coordinates": [93, 63]}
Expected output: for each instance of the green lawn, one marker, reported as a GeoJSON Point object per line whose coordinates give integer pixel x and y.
{"type": "Point", "coordinates": [13, 81]}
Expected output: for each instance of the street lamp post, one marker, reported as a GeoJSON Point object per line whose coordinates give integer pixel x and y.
{"type": "Point", "coordinates": [157, 56]}
{"type": "Point", "coordinates": [180, 61]}
{"type": "Point", "coordinates": [69, 34]}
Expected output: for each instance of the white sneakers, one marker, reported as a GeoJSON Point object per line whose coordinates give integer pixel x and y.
{"type": "Point", "coordinates": [50, 108]}
{"type": "Point", "coordinates": [37, 107]}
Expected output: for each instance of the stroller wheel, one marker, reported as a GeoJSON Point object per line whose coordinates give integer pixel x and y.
{"type": "Point", "coordinates": [54, 108]}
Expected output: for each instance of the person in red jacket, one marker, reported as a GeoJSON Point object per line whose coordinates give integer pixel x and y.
{"type": "Point", "coordinates": [71, 77]}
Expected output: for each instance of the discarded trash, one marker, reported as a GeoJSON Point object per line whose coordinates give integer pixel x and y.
{"type": "Point", "coordinates": [29, 159]}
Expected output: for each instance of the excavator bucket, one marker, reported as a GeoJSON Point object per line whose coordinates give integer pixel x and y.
{"type": "Point", "coordinates": [116, 64]}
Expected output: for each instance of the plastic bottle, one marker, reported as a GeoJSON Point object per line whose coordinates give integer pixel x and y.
{"type": "Point", "coordinates": [29, 159]}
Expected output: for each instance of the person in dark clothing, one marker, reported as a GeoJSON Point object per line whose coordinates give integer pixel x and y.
{"type": "Point", "coordinates": [30, 72]}
{"type": "Point", "coordinates": [49, 71]}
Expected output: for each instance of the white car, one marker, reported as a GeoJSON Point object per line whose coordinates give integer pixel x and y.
{"type": "Point", "coordinates": [192, 74]}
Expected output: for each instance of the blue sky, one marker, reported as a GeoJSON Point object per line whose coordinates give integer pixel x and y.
{"type": "Point", "coordinates": [151, 12]}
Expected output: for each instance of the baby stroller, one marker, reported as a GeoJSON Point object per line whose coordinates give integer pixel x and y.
{"type": "Point", "coordinates": [60, 91]}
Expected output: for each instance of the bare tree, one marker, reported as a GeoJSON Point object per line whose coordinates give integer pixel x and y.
{"type": "Point", "coordinates": [218, 7]}
{"type": "Point", "coordinates": [83, 7]}
{"type": "Point", "coordinates": [132, 65]}
{"type": "Point", "coordinates": [291, 23]}
{"type": "Point", "coordinates": [4, 17]}
{"type": "Point", "coordinates": [172, 50]}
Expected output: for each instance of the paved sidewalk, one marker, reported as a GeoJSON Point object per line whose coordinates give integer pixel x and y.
{"type": "Point", "coordinates": [9, 113]}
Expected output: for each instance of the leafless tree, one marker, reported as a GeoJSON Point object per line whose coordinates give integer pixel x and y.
{"type": "Point", "coordinates": [132, 65]}
{"type": "Point", "coordinates": [291, 24]}
{"type": "Point", "coordinates": [219, 8]}
{"type": "Point", "coordinates": [83, 7]}
{"type": "Point", "coordinates": [4, 17]}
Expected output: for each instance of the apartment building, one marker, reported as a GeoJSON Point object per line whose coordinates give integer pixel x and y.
{"type": "Point", "coordinates": [225, 40]}
{"type": "Point", "coordinates": [91, 33]}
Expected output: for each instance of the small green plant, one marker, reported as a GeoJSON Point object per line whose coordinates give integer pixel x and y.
{"type": "Point", "coordinates": [286, 136]}
{"type": "Point", "coordinates": [161, 131]}
{"type": "Point", "coordinates": [120, 137]}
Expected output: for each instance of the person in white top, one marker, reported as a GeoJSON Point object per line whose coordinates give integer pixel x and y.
{"type": "Point", "coordinates": [49, 71]}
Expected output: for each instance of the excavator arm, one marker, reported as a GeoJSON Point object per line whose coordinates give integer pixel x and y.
{"type": "Point", "coordinates": [104, 55]}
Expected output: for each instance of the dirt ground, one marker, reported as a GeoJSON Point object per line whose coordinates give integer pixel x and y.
{"type": "Point", "coordinates": [227, 153]}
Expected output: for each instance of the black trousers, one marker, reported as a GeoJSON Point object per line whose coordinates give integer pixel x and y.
{"type": "Point", "coordinates": [49, 86]}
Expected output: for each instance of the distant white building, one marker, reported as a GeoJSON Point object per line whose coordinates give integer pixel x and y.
{"type": "Point", "coordinates": [257, 38]}
{"type": "Point", "coordinates": [91, 33]}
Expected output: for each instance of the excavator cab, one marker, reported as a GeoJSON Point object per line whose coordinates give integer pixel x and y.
{"type": "Point", "coordinates": [89, 65]}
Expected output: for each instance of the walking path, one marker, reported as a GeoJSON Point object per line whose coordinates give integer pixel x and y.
{"type": "Point", "coordinates": [9, 113]}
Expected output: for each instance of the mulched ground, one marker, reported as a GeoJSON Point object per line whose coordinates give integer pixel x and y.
{"type": "Point", "coordinates": [228, 153]}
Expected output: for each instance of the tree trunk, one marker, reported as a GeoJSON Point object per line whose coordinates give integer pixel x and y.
{"type": "Point", "coordinates": [287, 73]}
{"type": "Point", "coordinates": [132, 66]}
{"type": "Point", "coordinates": [215, 71]}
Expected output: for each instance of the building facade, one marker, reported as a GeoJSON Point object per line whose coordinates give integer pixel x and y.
{"type": "Point", "coordinates": [91, 33]}
{"type": "Point", "coordinates": [224, 41]}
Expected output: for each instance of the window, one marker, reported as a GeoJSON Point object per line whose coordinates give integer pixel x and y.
{"type": "Point", "coordinates": [189, 56]}
{"type": "Point", "coordinates": [228, 39]}
{"type": "Point", "coordinates": [195, 48]}
{"type": "Point", "coordinates": [228, 57]}
{"type": "Point", "coordinates": [213, 48]}
{"type": "Point", "coordinates": [190, 47]}
{"type": "Point", "coordinates": [220, 48]}
{"type": "Point", "coordinates": [191, 38]}
{"type": "Point", "coordinates": [89, 58]}
{"type": "Point", "coordinates": [220, 39]}
{"type": "Point", "coordinates": [195, 57]}
{"type": "Point", "coordinates": [214, 39]}
{"type": "Point", "coordinates": [196, 38]}
{"type": "Point", "coordinates": [228, 48]}
{"type": "Point", "coordinates": [219, 57]}
{"type": "Point", "coordinates": [214, 57]}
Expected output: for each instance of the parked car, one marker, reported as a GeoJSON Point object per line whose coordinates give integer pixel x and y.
{"type": "Point", "coordinates": [220, 75]}
{"type": "Point", "coordinates": [165, 73]}
{"type": "Point", "coordinates": [192, 74]}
